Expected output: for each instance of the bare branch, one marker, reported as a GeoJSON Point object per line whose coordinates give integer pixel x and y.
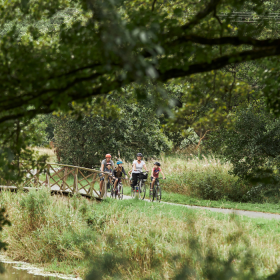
{"type": "Point", "coordinates": [153, 5]}
{"type": "Point", "coordinates": [201, 139]}
{"type": "Point", "coordinates": [216, 17]}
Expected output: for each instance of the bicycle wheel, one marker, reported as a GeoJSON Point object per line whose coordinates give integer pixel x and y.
{"type": "Point", "coordinates": [120, 191]}
{"type": "Point", "coordinates": [112, 191]}
{"type": "Point", "coordinates": [132, 192]}
{"type": "Point", "coordinates": [150, 193]}
{"type": "Point", "coordinates": [158, 193]}
{"type": "Point", "coordinates": [143, 190]}
{"type": "Point", "coordinates": [140, 190]}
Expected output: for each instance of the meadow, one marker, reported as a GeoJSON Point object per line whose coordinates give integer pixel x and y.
{"type": "Point", "coordinates": [135, 239]}
{"type": "Point", "coordinates": [197, 180]}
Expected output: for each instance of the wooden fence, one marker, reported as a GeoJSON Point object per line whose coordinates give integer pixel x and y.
{"type": "Point", "coordinates": [65, 179]}
{"type": "Point", "coordinates": [75, 179]}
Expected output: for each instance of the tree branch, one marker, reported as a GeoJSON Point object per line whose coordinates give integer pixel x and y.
{"type": "Point", "coordinates": [202, 14]}
{"type": "Point", "coordinates": [218, 63]}
{"type": "Point", "coordinates": [21, 101]}
{"type": "Point", "coordinates": [153, 5]}
{"type": "Point", "coordinates": [235, 41]}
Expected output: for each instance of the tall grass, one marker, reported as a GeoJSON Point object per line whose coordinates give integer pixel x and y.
{"type": "Point", "coordinates": [200, 177]}
{"type": "Point", "coordinates": [134, 239]}
{"type": "Point", "coordinates": [196, 176]}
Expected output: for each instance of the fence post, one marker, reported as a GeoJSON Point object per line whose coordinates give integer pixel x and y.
{"type": "Point", "coordinates": [64, 178]}
{"type": "Point", "coordinates": [104, 189]}
{"type": "Point", "coordinates": [48, 176]}
{"type": "Point", "coordinates": [76, 180]}
{"type": "Point", "coordinates": [92, 184]}
{"type": "Point", "coordinates": [38, 177]}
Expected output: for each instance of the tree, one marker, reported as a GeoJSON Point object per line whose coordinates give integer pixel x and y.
{"type": "Point", "coordinates": [133, 128]}
{"type": "Point", "coordinates": [106, 46]}
{"type": "Point", "coordinates": [56, 52]}
{"type": "Point", "coordinates": [251, 145]}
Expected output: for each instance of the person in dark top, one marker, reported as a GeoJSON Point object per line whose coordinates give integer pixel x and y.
{"type": "Point", "coordinates": [117, 173]}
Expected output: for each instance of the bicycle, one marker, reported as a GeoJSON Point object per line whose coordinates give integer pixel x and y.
{"type": "Point", "coordinates": [118, 191]}
{"type": "Point", "coordinates": [156, 192]}
{"type": "Point", "coordinates": [140, 188]}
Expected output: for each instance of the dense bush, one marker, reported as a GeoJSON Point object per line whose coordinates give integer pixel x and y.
{"type": "Point", "coordinates": [252, 147]}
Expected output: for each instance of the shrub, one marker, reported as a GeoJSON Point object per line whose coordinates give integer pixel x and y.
{"type": "Point", "coordinates": [207, 178]}
{"type": "Point", "coordinates": [34, 206]}
{"type": "Point", "coordinates": [252, 147]}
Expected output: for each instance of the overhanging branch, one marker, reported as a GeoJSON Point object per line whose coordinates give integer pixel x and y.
{"type": "Point", "coordinates": [219, 63]}
{"type": "Point", "coordinates": [230, 40]}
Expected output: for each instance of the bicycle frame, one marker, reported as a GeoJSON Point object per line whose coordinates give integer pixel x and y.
{"type": "Point", "coordinates": [140, 187]}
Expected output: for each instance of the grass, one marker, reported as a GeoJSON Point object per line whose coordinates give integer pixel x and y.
{"type": "Point", "coordinates": [201, 181]}
{"type": "Point", "coordinates": [135, 239]}
{"type": "Point", "coordinates": [224, 204]}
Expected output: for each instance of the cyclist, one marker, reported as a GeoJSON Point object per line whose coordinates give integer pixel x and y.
{"type": "Point", "coordinates": [155, 172]}
{"type": "Point", "coordinates": [137, 168]}
{"type": "Point", "coordinates": [103, 165]}
{"type": "Point", "coordinates": [117, 173]}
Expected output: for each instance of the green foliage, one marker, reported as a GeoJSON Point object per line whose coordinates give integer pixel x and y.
{"type": "Point", "coordinates": [85, 141]}
{"type": "Point", "coordinates": [252, 146]}
{"type": "Point", "coordinates": [207, 101]}
{"type": "Point", "coordinates": [56, 52]}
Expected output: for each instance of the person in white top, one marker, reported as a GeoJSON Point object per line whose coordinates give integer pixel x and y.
{"type": "Point", "coordinates": [137, 168]}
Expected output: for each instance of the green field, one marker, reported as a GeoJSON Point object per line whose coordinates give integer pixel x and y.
{"type": "Point", "coordinates": [135, 239]}
{"type": "Point", "coordinates": [188, 177]}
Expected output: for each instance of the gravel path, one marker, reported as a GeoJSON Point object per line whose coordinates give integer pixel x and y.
{"type": "Point", "coordinates": [251, 214]}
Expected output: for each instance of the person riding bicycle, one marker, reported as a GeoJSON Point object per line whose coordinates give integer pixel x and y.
{"type": "Point", "coordinates": [117, 173]}
{"type": "Point", "coordinates": [137, 169]}
{"type": "Point", "coordinates": [155, 172]}
{"type": "Point", "coordinates": [104, 162]}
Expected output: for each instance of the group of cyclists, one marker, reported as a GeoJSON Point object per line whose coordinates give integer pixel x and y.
{"type": "Point", "coordinates": [107, 165]}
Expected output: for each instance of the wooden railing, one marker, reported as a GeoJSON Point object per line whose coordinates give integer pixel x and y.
{"type": "Point", "coordinates": [75, 179]}
{"type": "Point", "coordinates": [62, 178]}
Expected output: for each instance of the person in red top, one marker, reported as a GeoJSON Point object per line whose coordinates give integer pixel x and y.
{"type": "Point", "coordinates": [155, 172]}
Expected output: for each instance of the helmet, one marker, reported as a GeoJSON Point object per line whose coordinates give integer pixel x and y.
{"type": "Point", "coordinates": [139, 155]}
{"type": "Point", "coordinates": [108, 155]}
{"type": "Point", "coordinates": [108, 163]}
{"type": "Point", "coordinates": [157, 163]}
{"type": "Point", "coordinates": [119, 162]}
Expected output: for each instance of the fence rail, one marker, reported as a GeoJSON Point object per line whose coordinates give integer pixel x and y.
{"type": "Point", "coordinates": [75, 179]}
{"type": "Point", "coordinates": [64, 178]}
